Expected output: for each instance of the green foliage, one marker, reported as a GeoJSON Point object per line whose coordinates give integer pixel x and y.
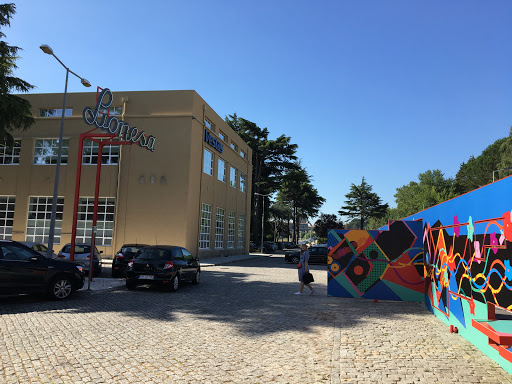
{"type": "Point", "coordinates": [325, 222]}
{"type": "Point", "coordinates": [391, 214]}
{"type": "Point", "coordinates": [478, 171]}
{"type": "Point", "coordinates": [505, 157]}
{"type": "Point", "coordinates": [14, 111]}
{"type": "Point", "coordinates": [433, 188]}
{"type": "Point", "coordinates": [363, 204]}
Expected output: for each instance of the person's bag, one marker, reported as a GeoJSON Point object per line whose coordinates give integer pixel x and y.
{"type": "Point", "coordinates": [299, 266]}
{"type": "Point", "coordinates": [307, 278]}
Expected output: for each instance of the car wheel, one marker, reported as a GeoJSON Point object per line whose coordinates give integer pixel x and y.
{"type": "Point", "coordinates": [175, 283]}
{"type": "Point", "coordinates": [196, 277]}
{"type": "Point", "coordinates": [295, 259]}
{"type": "Point", "coordinates": [131, 285]}
{"type": "Point", "coordinates": [60, 288]}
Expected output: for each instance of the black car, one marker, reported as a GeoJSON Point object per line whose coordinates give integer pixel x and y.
{"type": "Point", "coordinates": [317, 254]}
{"type": "Point", "coordinates": [123, 257]}
{"type": "Point", "coordinates": [24, 270]}
{"type": "Point", "coordinates": [163, 265]}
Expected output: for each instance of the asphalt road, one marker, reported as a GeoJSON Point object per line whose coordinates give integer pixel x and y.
{"type": "Point", "coordinates": [241, 324]}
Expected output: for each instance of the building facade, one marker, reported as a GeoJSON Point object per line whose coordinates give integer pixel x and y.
{"type": "Point", "coordinates": [189, 186]}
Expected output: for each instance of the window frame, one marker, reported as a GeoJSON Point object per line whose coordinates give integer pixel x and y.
{"type": "Point", "coordinates": [223, 169]}
{"type": "Point", "coordinates": [206, 165]}
{"type": "Point", "coordinates": [52, 141]}
{"type": "Point", "coordinates": [231, 229]}
{"type": "Point", "coordinates": [232, 176]}
{"type": "Point", "coordinates": [205, 226]}
{"type": "Point", "coordinates": [15, 152]}
{"type": "Point", "coordinates": [243, 182]}
{"type": "Point", "coordinates": [104, 224]}
{"type": "Point", "coordinates": [57, 112]}
{"type": "Point", "coordinates": [219, 228]}
{"type": "Point", "coordinates": [7, 216]}
{"type": "Point", "coordinates": [108, 153]}
{"type": "Point", "coordinates": [43, 216]}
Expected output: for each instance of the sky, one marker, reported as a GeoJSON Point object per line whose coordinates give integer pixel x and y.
{"type": "Point", "coordinates": [381, 89]}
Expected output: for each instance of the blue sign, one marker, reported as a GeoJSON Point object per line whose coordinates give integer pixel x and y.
{"type": "Point", "coordinates": [213, 141]}
{"type": "Point", "coordinates": [115, 126]}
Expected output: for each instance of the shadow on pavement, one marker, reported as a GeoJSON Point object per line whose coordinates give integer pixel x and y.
{"type": "Point", "coordinates": [250, 302]}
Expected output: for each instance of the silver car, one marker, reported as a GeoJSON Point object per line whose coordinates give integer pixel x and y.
{"type": "Point", "coordinates": [82, 257]}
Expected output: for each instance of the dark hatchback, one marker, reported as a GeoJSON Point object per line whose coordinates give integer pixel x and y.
{"type": "Point", "coordinates": [123, 257]}
{"type": "Point", "coordinates": [317, 254]}
{"type": "Point", "coordinates": [162, 265]}
{"type": "Point", "coordinates": [24, 270]}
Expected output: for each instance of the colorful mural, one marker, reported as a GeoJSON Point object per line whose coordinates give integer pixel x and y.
{"type": "Point", "coordinates": [381, 264]}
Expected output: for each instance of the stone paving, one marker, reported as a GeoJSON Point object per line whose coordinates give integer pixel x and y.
{"type": "Point", "coordinates": [241, 324]}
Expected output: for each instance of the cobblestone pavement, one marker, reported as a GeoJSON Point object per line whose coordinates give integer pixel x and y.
{"type": "Point", "coordinates": [241, 324]}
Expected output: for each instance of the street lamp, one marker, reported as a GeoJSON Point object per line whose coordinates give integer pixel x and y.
{"type": "Point", "coordinates": [262, 216]}
{"type": "Point", "coordinates": [47, 49]}
{"type": "Point", "coordinates": [504, 169]}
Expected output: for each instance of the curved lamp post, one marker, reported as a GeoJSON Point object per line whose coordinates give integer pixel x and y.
{"type": "Point", "coordinates": [46, 49]}
{"type": "Point", "coordinates": [262, 216]}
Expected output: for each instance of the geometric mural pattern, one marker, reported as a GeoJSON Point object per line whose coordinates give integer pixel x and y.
{"type": "Point", "coordinates": [379, 264]}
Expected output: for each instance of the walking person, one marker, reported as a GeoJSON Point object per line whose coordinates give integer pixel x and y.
{"type": "Point", "coordinates": [304, 268]}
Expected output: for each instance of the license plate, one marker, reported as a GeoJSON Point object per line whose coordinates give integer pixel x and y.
{"type": "Point", "coordinates": [146, 277]}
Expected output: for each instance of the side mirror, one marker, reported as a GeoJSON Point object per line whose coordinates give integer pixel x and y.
{"type": "Point", "coordinates": [101, 251]}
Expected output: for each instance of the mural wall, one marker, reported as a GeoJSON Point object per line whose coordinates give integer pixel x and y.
{"type": "Point", "coordinates": [467, 260]}
{"type": "Point", "coordinates": [383, 264]}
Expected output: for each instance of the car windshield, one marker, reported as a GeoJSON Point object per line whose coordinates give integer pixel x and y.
{"type": "Point", "coordinates": [130, 249]}
{"type": "Point", "coordinates": [152, 254]}
{"type": "Point", "coordinates": [78, 249]}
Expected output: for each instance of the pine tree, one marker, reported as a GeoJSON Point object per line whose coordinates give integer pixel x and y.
{"type": "Point", "coordinates": [15, 111]}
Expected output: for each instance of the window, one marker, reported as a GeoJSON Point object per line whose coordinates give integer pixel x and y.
{"type": "Point", "coordinates": [186, 254]}
{"type": "Point", "coordinates": [206, 222]}
{"type": "Point", "coordinates": [221, 171]}
{"type": "Point", "coordinates": [209, 124]}
{"type": "Point", "coordinates": [241, 230]}
{"type": "Point", "coordinates": [14, 252]}
{"type": "Point", "coordinates": [233, 146]}
{"type": "Point", "coordinates": [242, 154]}
{"type": "Point", "coordinates": [46, 112]}
{"type": "Point", "coordinates": [222, 136]}
{"type": "Point", "coordinates": [112, 111]}
{"type": "Point", "coordinates": [46, 150]}
{"type": "Point", "coordinates": [110, 154]}
{"type": "Point", "coordinates": [232, 176]}
{"type": "Point", "coordinates": [38, 222]}
{"type": "Point", "coordinates": [6, 216]}
{"type": "Point", "coordinates": [208, 162]}
{"type": "Point", "coordinates": [10, 155]}
{"type": "Point", "coordinates": [219, 228]}
{"type": "Point", "coordinates": [104, 224]}
{"type": "Point", "coordinates": [231, 229]}
{"type": "Point", "coordinates": [243, 182]}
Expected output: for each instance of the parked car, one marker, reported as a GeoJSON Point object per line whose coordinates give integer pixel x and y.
{"type": "Point", "coordinates": [38, 247]}
{"type": "Point", "coordinates": [163, 265]}
{"type": "Point", "coordinates": [317, 254]}
{"type": "Point", "coordinates": [253, 247]}
{"type": "Point", "coordinates": [267, 247]}
{"type": "Point", "coordinates": [24, 270]}
{"type": "Point", "coordinates": [82, 257]}
{"type": "Point", "coordinates": [123, 257]}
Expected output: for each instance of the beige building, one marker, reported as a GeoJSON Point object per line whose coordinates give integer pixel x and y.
{"type": "Point", "coordinates": [189, 185]}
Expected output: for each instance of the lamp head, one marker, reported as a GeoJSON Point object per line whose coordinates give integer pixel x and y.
{"type": "Point", "coordinates": [46, 49]}
{"type": "Point", "coordinates": [85, 82]}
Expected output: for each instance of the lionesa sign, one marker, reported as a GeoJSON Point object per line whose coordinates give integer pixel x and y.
{"type": "Point", "coordinates": [115, 126]}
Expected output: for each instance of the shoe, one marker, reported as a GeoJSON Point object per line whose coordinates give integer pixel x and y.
{"type": "Point", "coordinates": [298, 293]}
{"type": "Point", "coordinates": [312, 291]}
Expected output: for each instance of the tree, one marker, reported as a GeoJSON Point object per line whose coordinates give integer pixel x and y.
{"type": "Point", "coordinates": [298, 190]}
{"type": "Point", "coordinates": [14, 111]}
{"type": "Point", "coordinates": [363, 203]}
{"type": "Point", "coordinates": [505, 163]}
{"type": "Point", "coordinates": [271, 159]}
{"type": "Point", "coordinates": [325, 222]}
{"type": "Point", "coordinates": [478, 170]}
{"type": "Point", "coordinates": [433, 188]}
{"type": "Point", "coordinates": [376, 223]}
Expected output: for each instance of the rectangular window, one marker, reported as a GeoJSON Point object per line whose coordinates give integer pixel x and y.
{"type": "Point", "coordinates": [47, 112]}
{"type": "Point", "coordinates": [10, 155]}
{"type": "Point", "coordinates": [39, 217]}
{"type": "Point", "coordinates": [243, 181]}
{"type": "Point", "coordinates": [112, 111]}
{"type": "Point", "coordinates": [231, 229]}
{"type": "Point", "coordinates": [221, 171]}
{"type": "Point", "coordinates": [46, 150]}
{"type": "Point", "coordinates": [232, 176]}
{"type": "Point", "coordinates": [208, 124]}
{"type": "Point", "coordinates": [241, 230]}
{"type": "Point", "coordinates": [110, 154]}
{"type": "Point", "coordinates": [219, 228]}
{"type": "Point", "coordinates": [233, 146]}
{"type": "Point", "coordinates": [206, 223]}
{"type": "Point", "coordinates": [6, 216]}
{"type": "Point", "coordinates": [222, 136]}
{"type": "Point", "coordinates": [242, 154]}
{"type": "Point", "coordinates": [208, 162]}
{"type": "Point", "coordinates": [104, 223]}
